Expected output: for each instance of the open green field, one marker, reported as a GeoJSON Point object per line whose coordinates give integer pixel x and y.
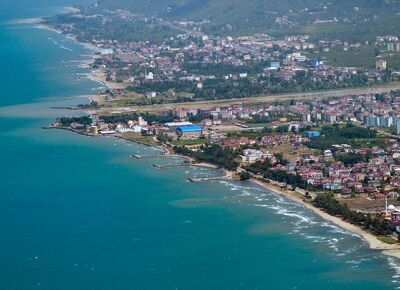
{"type": "Point", "coordinates": [257, 125]}
{"type": "Point", "coordinates": [188, 142]}
{"type": "Point", "coordinates": [147, 140]}
{"type": "Point", "coordinates": [363, 57]}
{"type": "Point", "coordinates": [387, 240]}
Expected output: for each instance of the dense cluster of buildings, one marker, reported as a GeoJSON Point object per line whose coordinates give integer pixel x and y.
{"type": "Point", "coordinates": [258, 58]}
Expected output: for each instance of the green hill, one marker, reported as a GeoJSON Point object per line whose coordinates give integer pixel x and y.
{"type": "Point", "coordinates": [297, 16]}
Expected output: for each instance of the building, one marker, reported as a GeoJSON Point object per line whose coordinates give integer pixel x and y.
{"type": "Point", "coordinates": [398, 126]}
{"type": "Point", "coordinates": [328, 154]}
{"type": "Point", "coordinates": [313, 134]}
{"type": "Point", "coordinates": [329, 117]}
{"type": "Point", "coordinates": [275, 65]}
{"type": "Point", "coordinates": [93, 130]}
{"type": "Point", "coordinates": [193, 131]}
{"type": "Point", "coordinates": [251, 155]}
{"type": "Point", "coordinates": [381, 63]}
{"type": "Point", "coordinates": [174, 125]}
{"type": "Point", "coordinates": [141, 121]}
{"type": "Point", "coordinates": [150, 76]}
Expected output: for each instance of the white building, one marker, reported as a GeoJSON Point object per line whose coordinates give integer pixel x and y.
{"type": "Point", "coordinates": [251, 155]}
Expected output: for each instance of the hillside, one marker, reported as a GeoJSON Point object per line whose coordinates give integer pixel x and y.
{"type": "Point", "coordinates": [238, 16]}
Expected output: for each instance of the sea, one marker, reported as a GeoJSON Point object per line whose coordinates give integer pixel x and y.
{"type": "Point", "coordinates": [77, 213]}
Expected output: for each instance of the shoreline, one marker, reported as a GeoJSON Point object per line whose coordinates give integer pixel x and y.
{"type": "Point", "coordinates": [98, 76]}
{"type": "Point", "coordinates": [392, 250]}
{"type": "Point", "coordinates": [374, 243]}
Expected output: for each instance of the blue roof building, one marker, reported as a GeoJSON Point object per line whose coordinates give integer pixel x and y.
{"type": "Point", "coordinates": [313, 134]}
{"type": "Point", "coordinates": [189, 131]}
{"type": "Point", "coordinates": [275, 65]}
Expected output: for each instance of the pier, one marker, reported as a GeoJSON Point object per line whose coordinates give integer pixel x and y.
{"type": "Point", "coordinates": [200, 179]}
{"type": "Point", "coordinates": [136, 156]}
{"type": "Point", "coordinates": [161, 166]}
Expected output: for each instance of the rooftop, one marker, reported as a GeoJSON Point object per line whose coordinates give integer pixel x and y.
{"type": "Point", "coordinates": [189, 128]}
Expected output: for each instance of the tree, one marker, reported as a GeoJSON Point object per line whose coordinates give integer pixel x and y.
{"type": "Point", "coordinates": [244, 175]}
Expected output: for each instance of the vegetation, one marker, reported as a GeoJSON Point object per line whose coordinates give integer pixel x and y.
{"type": "Point", "coordinates": [67, 121]}
{"type": "Point", "coordinates": [216, 89]}
{"type": "Point", "coordinates": [244, 175]}
{"type": "Point", "coordinates": [387, 240]}
{"type": "Point", "coordinates": [136, 137]}
{"type": "Point", "coordinates": [350, 159]}
{"type": "Point", "coordinates": [150, 118]}
{"type": "Point", "coordinates": [282, 176]}
{"type": "Point", "coordinates": [164, 138]}
{"type": "Point", "coordinates": [371, 17]}
{"type": "Point", "coordinates": [376, 223]}
{"type": "Point", "coordinates": [212, 154]}
{"type": "Point", "coordinates": [89, 29]}
{"type": "Point", "coordinates": [349, 134]}
{"type": "Point", "coordinates": [264, 169]}
{"type": "Point", "coordinates": [188, 142]}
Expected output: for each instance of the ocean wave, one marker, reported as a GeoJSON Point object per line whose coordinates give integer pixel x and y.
{"type": "Point", "coordinates": [394, 265]}
{"type": "Point", "coordinates": [302, 218]}
{"type": "Point", "coordinates": [234, 187]}
{"type": "Point", "coordinates": [303, 221]}
{"type": "Point", "coordinates": [337, 230]}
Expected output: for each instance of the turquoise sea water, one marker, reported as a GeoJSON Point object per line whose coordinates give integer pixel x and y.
{"type": "Point", "coordinates": [77, 213]}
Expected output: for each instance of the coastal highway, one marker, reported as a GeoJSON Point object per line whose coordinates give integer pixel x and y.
{"type": "Point", "coordinates": [253, 100]}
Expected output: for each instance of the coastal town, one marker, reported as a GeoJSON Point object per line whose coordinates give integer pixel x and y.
{"type": "Point", "coordinates": [185, 64]}
{"type": "Point", "coordinates": [200, 144]}
{"type": "Point", "coordinates": [236, 103]}
{"type": "Point", "coordinates": [348, 146]}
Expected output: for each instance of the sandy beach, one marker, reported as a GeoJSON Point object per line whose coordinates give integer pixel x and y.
{"type": "Point", "coordinates": [98, 75]}
{"type": "Point", "coordinates": [373, 241]}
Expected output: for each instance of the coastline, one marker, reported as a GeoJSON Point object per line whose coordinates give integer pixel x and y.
{"type": "Point", "coordinates": [98, 76]}
{"type": "Point", "coordinates": [374, 243]}
{"type": "Point", "coordinates": [137, 213]}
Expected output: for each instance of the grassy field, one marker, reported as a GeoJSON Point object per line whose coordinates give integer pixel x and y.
{"type": "Point", "coordinates": [188, 142]}
{"type": "Point", "coordinates": [387, 240]}
{"type": "Point", "coordinates": [363, 57]}
{"type": "Point", "coordinates": [289, 153]}
{"type": "Point", "coordinates": [147, 140]}
{"type": "Point", "coordinates": [257, 125]}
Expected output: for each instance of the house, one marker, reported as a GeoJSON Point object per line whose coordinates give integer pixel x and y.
{"type": "Point", "coordinates": [380, 64]}
{"type": "Point", "coordinates": [150, 76]}
{"type": "Point", "coordinates": [328, 154]}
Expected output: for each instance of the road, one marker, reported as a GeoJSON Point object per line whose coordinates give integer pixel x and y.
{"type": "Point", "coordinates": [255, 100]}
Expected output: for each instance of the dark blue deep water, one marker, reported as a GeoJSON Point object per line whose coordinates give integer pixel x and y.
{"type": "Point", "coordinates": [77, 213]}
